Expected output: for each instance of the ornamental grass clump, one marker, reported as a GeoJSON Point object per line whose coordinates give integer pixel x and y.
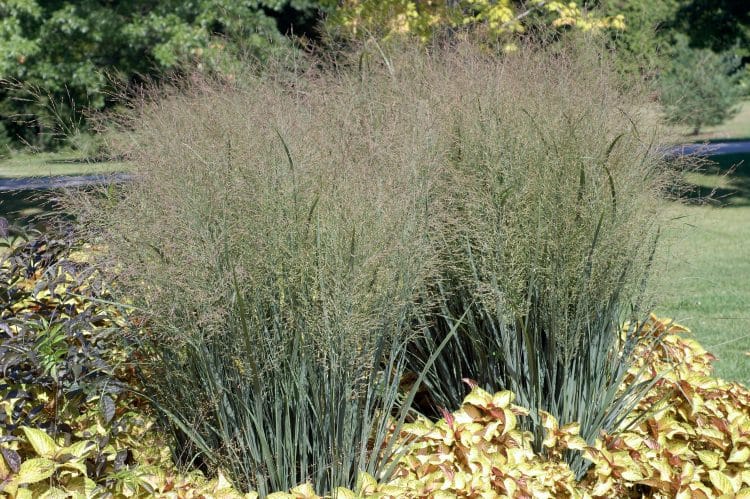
{"type": "Point", "coordinates": [295, 245]}
{"type": "Point", "coordinates": [276, 238]}
{"type": "Point", "coordinates": [555, 191]}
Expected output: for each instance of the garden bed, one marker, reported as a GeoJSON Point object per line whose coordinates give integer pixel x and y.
{"type": "Point", "coordinates": [73, 423]}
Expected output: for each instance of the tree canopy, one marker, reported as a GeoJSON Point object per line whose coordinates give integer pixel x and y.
{"type": "Point", "coordinates": [58, 57]}
{"type": "Point", "coordinates": [68, 50]}
{"type": "Point", "coordinates": [699, 87]}
{"type": "Point", "coordinates": [498, 19]}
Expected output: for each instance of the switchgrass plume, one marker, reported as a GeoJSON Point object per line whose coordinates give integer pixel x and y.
{"type": "Point", "coordinates": [557, 187]}
{"type": "Point", "coordinates": [277, 233]}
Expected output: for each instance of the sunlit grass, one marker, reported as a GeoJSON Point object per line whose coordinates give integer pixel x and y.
{"type": "Point", "coordinates": [64, 163]}
{"type": "Point", "coordinates": [707, 284]}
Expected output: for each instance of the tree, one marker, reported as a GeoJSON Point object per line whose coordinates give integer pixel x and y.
{"type": "Point", "coordinates": [654, 28]}
{"type": "Point", "coordinates": [498, 20]}
{"type": "Point", "coordinates": [68, 50]}
{"type": "Point", "coordinates": [699, 88]}
{"type": "Point", "coordinates": [640, 47]}
{"type": "Point", "coordinates": [716, 24]}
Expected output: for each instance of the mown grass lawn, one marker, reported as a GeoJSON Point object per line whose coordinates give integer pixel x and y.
{"type": "Point", "coordinates": [23, 204]}
{"type": "Point", "coordinates": [707, 284]}
{"type": "Point", "coordinates": [43, 164]}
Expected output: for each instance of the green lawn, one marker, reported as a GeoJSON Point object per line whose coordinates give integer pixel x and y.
{"type": "Point", "coordinates": [707, 284]}
{"type": "Point", "coordinates": [34, 165]}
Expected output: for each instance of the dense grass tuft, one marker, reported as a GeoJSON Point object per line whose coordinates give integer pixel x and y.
{"type": "Point", "coordinates": [299, 241]}
{"type": "Point", "coordinates": [277, 236]}
{"type": "Point", "coordinates": [555, 210]}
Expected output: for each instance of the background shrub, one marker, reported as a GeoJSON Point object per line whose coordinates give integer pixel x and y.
{"type": "Point", "coordinates": [498, 22]}
{"type": "Point", "coordinates": [66, 55]}
{"type": "Point", "coordinates": [68, 416]}
{"type": "Point", "coordinates": [700, 87]}
{"type": "Point", "coordinates": [52, 342]}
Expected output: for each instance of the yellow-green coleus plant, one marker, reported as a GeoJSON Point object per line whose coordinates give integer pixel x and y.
{"type": "Point", "coordinates": [693, 442]}
{"type": "Point", "coordinates": [696, 440]}
{"type": "Point", "coordinates": [496, 19]}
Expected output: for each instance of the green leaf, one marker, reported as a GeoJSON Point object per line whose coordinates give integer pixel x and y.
{"type": "Point", "coordinates": [721, 482]}
{"type": "Point", "coordinates": [54, 493]}
{"type": "Point", "coordinates": [708, 458]}
{"type": "Point", "coordinates": [41, 442]}
{"type": "Point", "coordinates": [479, 398]}
{"type": "Point", "coordinates": [81, 485]}
{"type": "Point", "coordinates": [366, 483]}
{"type": "Point", "coordinates": [35, 470]}
{"type": "Point", "coordinates": [79, 466]}
{"type": "Point", "coordinates": [739, 455]}
{"type": "Point", "coordinates": [78, 449]}
{"type": "Point", "coordinates": [24, 494]}
{"type": "Point", "coordinates": [343, 493]}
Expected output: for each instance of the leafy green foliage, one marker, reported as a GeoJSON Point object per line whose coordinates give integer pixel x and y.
{"type": "Point", "coordinates": [640, 47]}
{"type": "Point", "coordinates": [720, 25]}
{"type": "Point", "coordinates": [50, 339]}
{"type": "Point", "coordinates": [654, 27]}
{"type": "Point", "coordinates": [699, 87]}
{"type": "Point", "coordinates": [64, 54]}
{"type": "Point", "coordinates": [66, 419]}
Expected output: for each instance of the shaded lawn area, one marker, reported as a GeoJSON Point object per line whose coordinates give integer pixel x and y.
{"type": "Point", "coordinates": [21, 205]}
{"type": "Point", "coordinates": [707, 284]}
{"type": "Point", "coordinates": [726, 180]}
